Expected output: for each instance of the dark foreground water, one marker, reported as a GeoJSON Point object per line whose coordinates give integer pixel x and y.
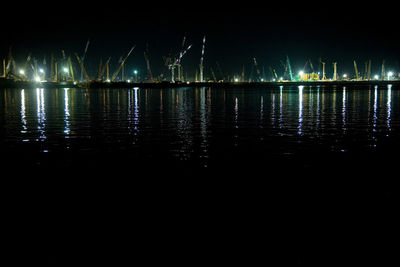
{"type": "Point", "coordinates": [294, 175]}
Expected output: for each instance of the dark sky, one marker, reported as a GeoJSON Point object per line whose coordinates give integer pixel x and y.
{"type": "Point", "coordinates": [236, 32]}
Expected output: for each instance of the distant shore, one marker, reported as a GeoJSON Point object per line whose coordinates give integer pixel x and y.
{"type": "Point", "coordinates": [5, 83]}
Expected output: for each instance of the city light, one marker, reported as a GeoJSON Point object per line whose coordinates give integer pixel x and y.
{"type": "Point", "coordinates": [301, 73]}
{"type": "Point", "coordinates": [37, 79]}
{"type": "Point", "coordinates": [376, 77]}
{"type": "Point", "coordinates": [22, 72]}
{"type": "Point", "coordinates": [65, 70]}
{"type": "Point", "coordinates": [41, 70]}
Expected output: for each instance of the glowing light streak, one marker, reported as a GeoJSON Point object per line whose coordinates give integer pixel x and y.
{"type": "Point", "coordinates": [41, 115]}
{"type": "Point", "coordinates": [66, 113]}
{"type": "Point", "coordinates": [300, 127]}
{"type": "Point", "coordinates": [23, 116]}
{"type": "Point", "coordinates": [389, 106]}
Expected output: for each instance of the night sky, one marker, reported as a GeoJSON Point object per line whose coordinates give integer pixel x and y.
{"type": "Point", "coordinates": [236, 32]}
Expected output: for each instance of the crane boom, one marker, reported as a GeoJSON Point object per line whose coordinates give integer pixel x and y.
{"type": "Point", "coordinates": [257, 70]}
{"type": "Point", "coordinates": [122, 63]}
{"type": "Point", "coordinates": [28, 59]}
{"type": "Point", "coordinates": [146, 58]}
{"type": "Point", "coordinates": [82, 67]}
{"type": "Point", "coordinates": [84, 56]}
{"type": "Point", "coordinates": [356, 70]}
{"type": "Point", "coordinates": [103, 69]}
{"type": "Point", "coordinates": [289, 68]}
{"type": "Point", "coordinates": [71, 69]}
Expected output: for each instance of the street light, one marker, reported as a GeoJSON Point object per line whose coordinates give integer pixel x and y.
{"type": "Point", "coordinates": [136, 73]}
{"type": "Point", "coordinates": [22, 72]}
{"type": "Point", "coordinates": [65, 70]}
{"type": "Point", "coordinates": [390, 74]}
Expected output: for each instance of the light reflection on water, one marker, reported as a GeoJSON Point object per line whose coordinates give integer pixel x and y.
{"type": "Point", "coordinates": [23, 108]}
{"type": "Point", "coordinates": [41, 113]}
{"type": "Point", "coordinates": [189, 124]}
{"type": "Point", "coordinates": [66, 113]}
{"type": "Point", "coordinates": [300, 109]}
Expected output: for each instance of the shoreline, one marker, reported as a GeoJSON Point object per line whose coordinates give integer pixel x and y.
{"type": "Point", "coordinates": [4, 83]}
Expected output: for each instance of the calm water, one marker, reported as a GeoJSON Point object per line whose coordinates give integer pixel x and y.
{"type": "Point", "coordinates": [197, 128]}
{"type": "Point", "coordinates": [306, 166]}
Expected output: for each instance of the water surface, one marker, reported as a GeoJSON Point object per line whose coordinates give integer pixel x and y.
{"type": "Point", "coordinates": [197, 127]}
{"type": "Point", "coordinates": [308, 170]}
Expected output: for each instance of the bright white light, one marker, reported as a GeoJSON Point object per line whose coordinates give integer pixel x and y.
{"type": "Point", "coordinates": [236, 80]}
{"type": "Point", "coordinates": [390, 74]}
{"type": "Point", "coordinates": [128, 81]}
{"type": "Point", "coordinates": [108, 80]}
{"type": "Point", "coordinates": [22, 72]}
{"type": "Point", "coordinates": [301, 73]}
{"type": "Point", "coordinates": [41, 71]}
{"type": "Point", "coordinates": [262, 80]}
{"type": "Point", "coordinates": [344, 75]}
{"type": "Point", "coordinates": [37, 79]}
{"type": "Point", "coordinates": [135, 88]}
{"type": "Point", "coordinates": [135, 71]}
{"type": "Point", "coordinates": [66, 70]}
{"type": "Point", "coordinates": [376, 77]}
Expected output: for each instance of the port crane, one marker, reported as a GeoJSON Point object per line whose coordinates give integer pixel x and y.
{"type": "Point", "coordinates": [71, 69]}
{"type": "Point", "coordinates": [82, 68]}
{"type": "Point", "coordinates": [84, 56]}
{"type": "Point", "coordinates": [257, 69]}
{"type": "Point", "coordinates": [176, 62]}
{"type": "Point", "coordinates": [288, 69]}
{"type": "Point", "coordinates": [367, 72]}
{"type": "Point", "coordinates": [356, 70]}
{"type": "Point", "coordinates": [308, 62]}
{"type": "Point", "coordinates": [122, 63]}
{"type": "Point", "coordinates": [273, 72]}
{"type": "Point", "coordinates": [146, 58]}
{"type": "Point", "coordinates": [11, 67]}
{"type": "Point", "coordinates": [103, 69]}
